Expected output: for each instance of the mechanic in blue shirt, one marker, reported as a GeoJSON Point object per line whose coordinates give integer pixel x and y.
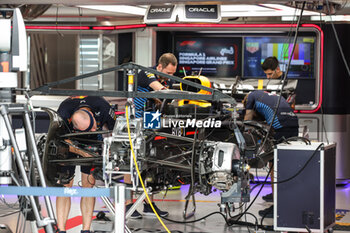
{"type": "Point", "coordinates": [147, 81]}
{"type": "Point", "coordinates": [263, 104]}
{"type": "Point", "coordinates": [82, 114]}
{"type": "Point", "coordinates": [285, 124]}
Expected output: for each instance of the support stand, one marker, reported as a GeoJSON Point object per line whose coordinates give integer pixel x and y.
{"type": "Point", "coordinates": [188, 215]}
{"type": "Point", "coordinates": [119, 217]}
{"type": "Point", "coordinates": [118, 210]}
{"type": "Point", "coordinates": [6, 110]}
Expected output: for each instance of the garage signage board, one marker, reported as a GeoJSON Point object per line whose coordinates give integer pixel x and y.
{"type": "Point", "coordinates": [160, 14]}
{"type": "Point", "coordinates": [200, 13]}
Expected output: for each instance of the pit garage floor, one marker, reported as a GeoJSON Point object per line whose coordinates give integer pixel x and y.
{"type": "Point", "coordinates": [174, 203]}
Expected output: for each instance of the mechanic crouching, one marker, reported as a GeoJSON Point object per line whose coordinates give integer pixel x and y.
{"type": "Point", "coordinates": [285, 124]}
{"type": "Point", "coordinates": [82, 114]}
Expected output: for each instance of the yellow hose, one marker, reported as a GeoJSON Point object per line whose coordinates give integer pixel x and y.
{"type": "Point", "coordinates": [138, 171]}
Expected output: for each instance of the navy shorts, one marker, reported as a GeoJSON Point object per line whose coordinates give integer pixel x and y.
{"type": "Point", "coordinates": [286, 132]}
{"type": "Point", "coordinates": [71, 169]}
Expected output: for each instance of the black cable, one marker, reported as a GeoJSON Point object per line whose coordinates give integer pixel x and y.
{"type": "Point", "coordinates": [338, 42]}
{"type": "Point", "coordinates": [306, 140]}
{"type": "Point", "coordinates": [323, 125]}
{"type": "Point", "coordinates": [228, 222]}
{"type": "Point", "coordinates": [24, 207]}
{"type": "Point", "coordinates": [25, 217]}
{"type": "Point", "coordinates": [31, 110]}
{"type": "Point", "coordinates": [301, 169]}
{"type": "Point", "coordinates": [283, 51]}
{"type": "Point", "coordinates": [257, 185]}
{"type": "Point", "coordinates": [289, 35]}
{"type": "Point", "coordinates": [256, 196]}
{"type": "Point", "coordinates": [245, 218]}
{"type": "Point", "coordinates": [263, 217]}
{"type": "Point", "coordinates": [256, 219]}
{"type": "Point", "coordinates": [10, 206]}
{"type": "Point", "coordinates": [27, 207]}
{"type": "Point", "coordinates": [260, 183]}
{"type": "Point", "coordinates": [81, 47]}
{"type": "Point", "coordinates": [229, 213]}
{"type": "Point", "coordinates": [197, 220]}
{"type": "Point", "coordinates": [210, 214]}
{"type": "Point", "coordinates": [5, 215]}
{"type": "Point", "coordinates": [18, 182]}
{"type": "Point", "coordinates": [232, 222]}
{"type": "Point", "coordinates": [285, 77]}
{"type": "Point", "coordinates": [256, 174]}
{"type": "Point", "coordinates": [58, 32]}
{"type": "Point", "coordinates": [322, 112]}
{"type": "Point", "coordinates": [190, 191]}
{"type": "Point", "coordinates": [17, 224]}
{"type": "Point", "coordinates": [21, 225]}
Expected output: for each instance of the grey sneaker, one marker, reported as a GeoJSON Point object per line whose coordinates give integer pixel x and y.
{"type": "Point", "coordinates": [135, 215]}
{"type": "Point", "coordinates": [147, 210]}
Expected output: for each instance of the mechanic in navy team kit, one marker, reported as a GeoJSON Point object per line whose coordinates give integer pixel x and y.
{"type": "Point", "coordinates": [82, 114]}
{"type": "Point", "coordinates": [264, 104]}
{"type": "Point", "coordinates": [272, 70]}
{"type": "Point", "coordinates": [285, 124]}
{"type": "Point", "coordinates": [147, 81]}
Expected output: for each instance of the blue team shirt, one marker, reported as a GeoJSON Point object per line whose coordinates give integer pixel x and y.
{"type": "Point", "coordinates": [264, 104]}
{"type": "Point", "coordinates": [144, 79]}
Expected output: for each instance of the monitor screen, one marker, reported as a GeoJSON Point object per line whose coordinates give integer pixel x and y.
{"type": "Point", "coordinates": [209, 56]}
{"type": "Point", "coordinates": [256, 49]}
